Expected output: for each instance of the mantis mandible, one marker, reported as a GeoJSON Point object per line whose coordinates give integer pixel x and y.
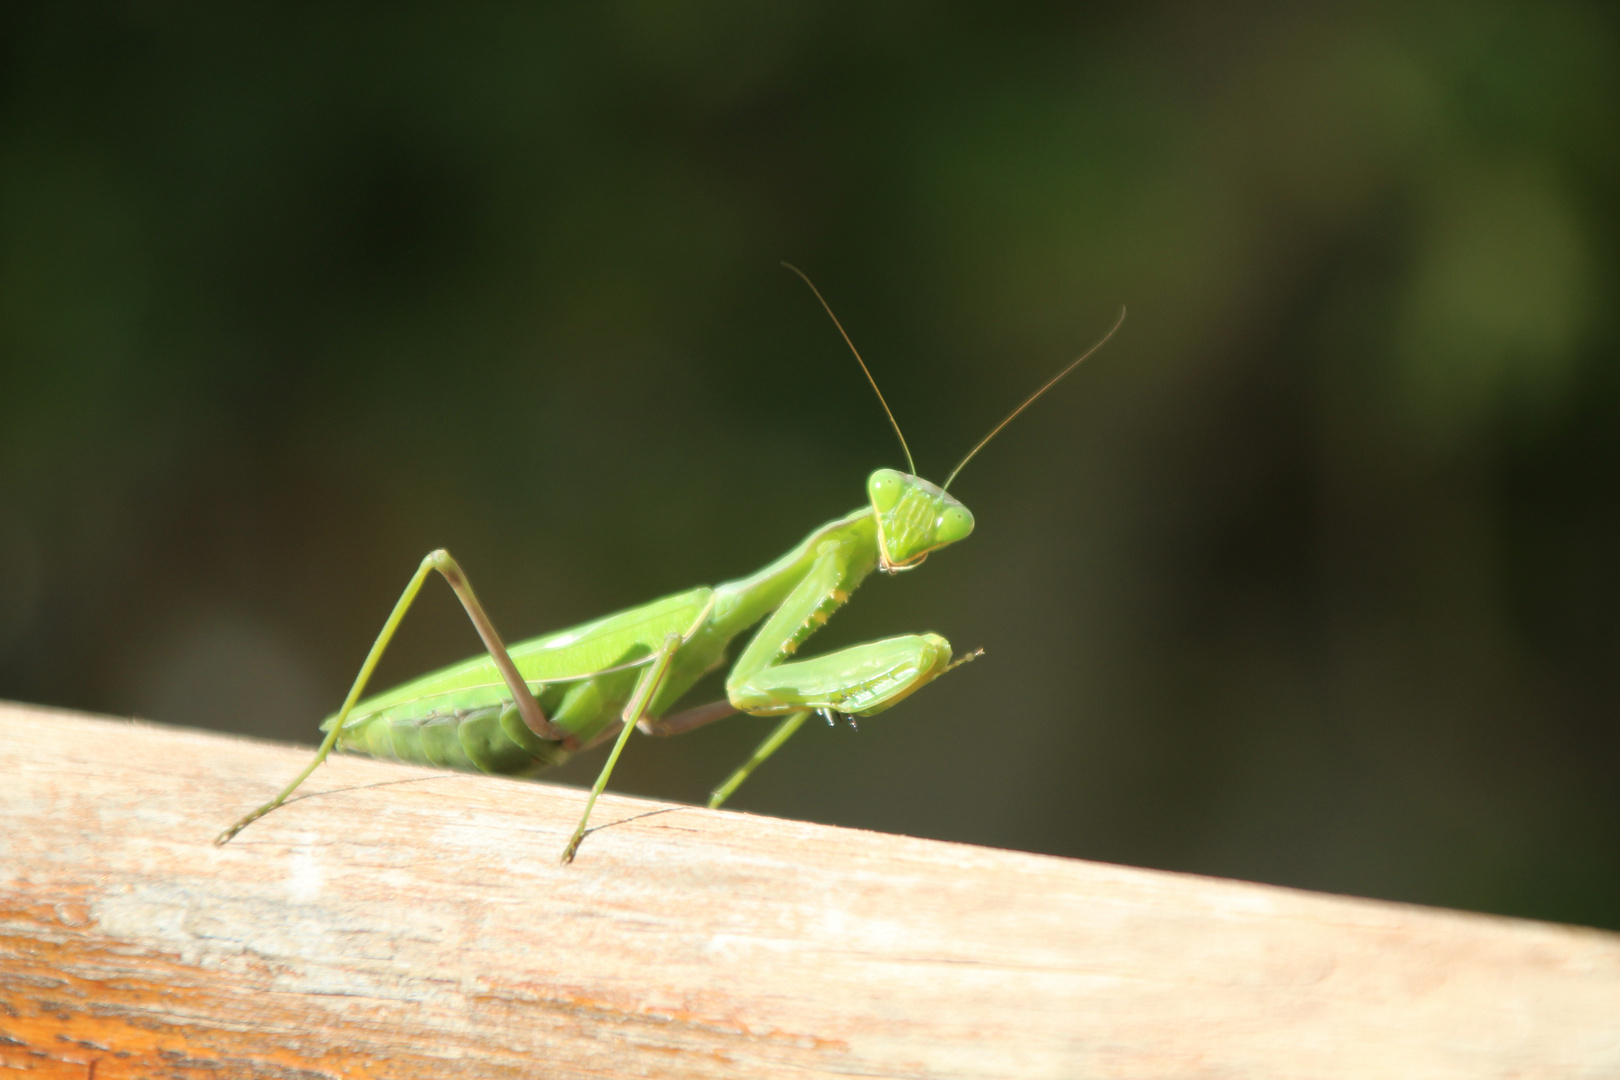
{"type": "Point", "coordinates": [519, 710]}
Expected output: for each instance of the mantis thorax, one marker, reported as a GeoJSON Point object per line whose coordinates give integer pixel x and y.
{"type": "Point", "coordinates": [914, 517]}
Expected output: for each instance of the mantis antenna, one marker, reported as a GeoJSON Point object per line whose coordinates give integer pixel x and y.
{"type": "Point", "coordinates": [1053, 381]}
{"type": "Point", "coordinates": [910, 465]}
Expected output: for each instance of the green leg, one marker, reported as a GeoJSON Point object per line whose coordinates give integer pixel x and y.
{"type": "Point", "coordinates": [783, 731]}
{"type": "Point", "coordinates": [646, 687]}
{"type": "Point", "coordinates": [442, 562]}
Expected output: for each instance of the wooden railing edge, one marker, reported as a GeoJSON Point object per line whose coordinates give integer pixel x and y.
{"type": "Point", "coordinates": [402, 922]}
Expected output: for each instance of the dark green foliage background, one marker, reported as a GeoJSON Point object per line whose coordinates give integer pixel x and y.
{"type": "Point", "coordinates": [1309, 577]}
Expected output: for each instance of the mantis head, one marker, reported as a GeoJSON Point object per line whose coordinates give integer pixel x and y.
{"type": "Point", "coordinates": [913, 518]}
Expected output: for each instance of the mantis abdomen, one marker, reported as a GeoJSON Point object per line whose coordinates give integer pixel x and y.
{"type": "Point", "coordinates": [480, 729]}
{"type": "Point", "coordinates": [491, 739]}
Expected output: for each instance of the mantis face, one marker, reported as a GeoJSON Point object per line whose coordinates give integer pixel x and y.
{"type": "Point", "coordinates": [913, 517]}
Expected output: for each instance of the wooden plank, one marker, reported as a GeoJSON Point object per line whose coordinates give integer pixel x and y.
{"type": "Point", "coordinates": [400, 922]}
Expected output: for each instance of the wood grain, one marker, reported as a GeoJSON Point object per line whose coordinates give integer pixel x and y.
{"type": "Point", "coordinates": [400, 922]}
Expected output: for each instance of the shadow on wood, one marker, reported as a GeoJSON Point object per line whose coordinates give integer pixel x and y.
{"type": "Point", "coordinates": [398, 922]}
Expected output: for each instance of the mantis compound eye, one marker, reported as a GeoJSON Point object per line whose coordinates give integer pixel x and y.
{"type": "Point", "coordinates": [884, 488]}
{"type": "Point", "coordinates": [955, 523]}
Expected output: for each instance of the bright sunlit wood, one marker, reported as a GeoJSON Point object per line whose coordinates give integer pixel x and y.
{"type": "Point", "coordinates": [397, 922]}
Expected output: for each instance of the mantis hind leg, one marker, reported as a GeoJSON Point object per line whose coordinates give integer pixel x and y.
{"type": "Point", "coordinates": [527, 706]}
{"type": "Point", "coordinates": [772, 743]}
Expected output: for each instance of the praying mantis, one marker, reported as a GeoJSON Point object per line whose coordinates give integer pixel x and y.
{"type": "Point", "coordinates": [517, 711]}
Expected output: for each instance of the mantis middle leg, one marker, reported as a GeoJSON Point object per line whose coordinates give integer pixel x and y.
{"type": "Point", "coordinates": [646, 686]}
{"type": "Point", "coordinates": [772, 743]}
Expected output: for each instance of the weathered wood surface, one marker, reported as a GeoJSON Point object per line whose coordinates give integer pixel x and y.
{"type": "Point", "coordinates": [400, 922]}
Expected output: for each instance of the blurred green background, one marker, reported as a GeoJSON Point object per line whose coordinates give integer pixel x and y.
{"type": "Point", "coordinates": [1309, 577]}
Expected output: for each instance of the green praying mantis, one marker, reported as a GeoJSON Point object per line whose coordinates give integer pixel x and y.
{"type": "Point", "coordinates": [519, 710]}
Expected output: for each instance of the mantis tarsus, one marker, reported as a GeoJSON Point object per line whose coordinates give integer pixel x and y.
{"type": "Point", "coordinates": [519, 710]}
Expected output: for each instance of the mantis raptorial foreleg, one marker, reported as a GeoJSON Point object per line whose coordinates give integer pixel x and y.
{"type": "Point", "coordinates": [533, 716]}
{"type": "Point", "coordinates": [646, 686]}
{"type": "Point", "coordinates": [858, 679]}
